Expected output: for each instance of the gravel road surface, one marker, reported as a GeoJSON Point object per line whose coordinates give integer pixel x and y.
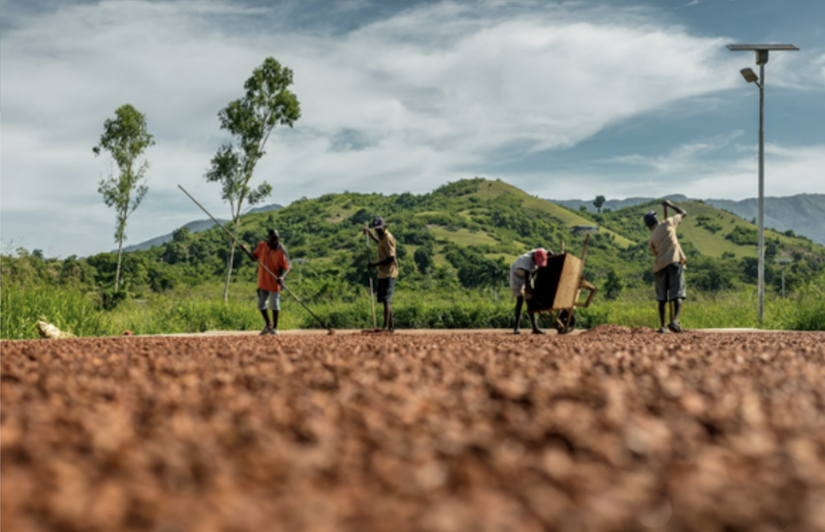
{"type": "Point", "coordinates": [612, 429]}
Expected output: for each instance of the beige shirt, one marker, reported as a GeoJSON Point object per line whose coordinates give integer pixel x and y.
{"type": "Point", "coordinates": [386, 248]}
{"type": "Point", "coordinates": [664, 244]}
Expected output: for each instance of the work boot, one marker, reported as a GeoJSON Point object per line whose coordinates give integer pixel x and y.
{"type": "Point", "coordinates": [675, 326]}
{"type": "Point", "coordinates": [663, 330]}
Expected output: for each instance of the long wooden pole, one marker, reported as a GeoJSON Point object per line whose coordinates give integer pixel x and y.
{"type": "Point", "coordinates": [372, 295]}
{"type": "Point", "coordinates": [669, 302]}
{"type": "Point", "coordinates": [261, 264]}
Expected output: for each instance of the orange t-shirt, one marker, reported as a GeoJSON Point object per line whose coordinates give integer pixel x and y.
{"type": "Point", "coordinates": [272, 259]}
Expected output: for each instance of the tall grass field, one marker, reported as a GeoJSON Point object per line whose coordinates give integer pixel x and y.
{"type": "Point", "coordinates": [203, 310]}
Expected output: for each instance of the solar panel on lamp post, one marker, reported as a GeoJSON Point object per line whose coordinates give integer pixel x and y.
{"type": "Point", "coordinates": [762, 51]}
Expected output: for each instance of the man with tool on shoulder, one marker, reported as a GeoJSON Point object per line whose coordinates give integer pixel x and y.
{"type": "Point", "coordinates": [387, 267]}
{"type": "Point", "coordinates": [272, 254]}
{"type": "Point", "coordinates": [669, 264]}
{"type": "Point", "coordinates": [521, 277]}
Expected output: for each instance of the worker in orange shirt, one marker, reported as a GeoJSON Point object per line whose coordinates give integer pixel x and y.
{"type": "Point", "coordinates": [272, 254]}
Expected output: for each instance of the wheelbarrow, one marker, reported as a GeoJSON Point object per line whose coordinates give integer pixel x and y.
{"type": "Point", "coordinates": [557, 287]}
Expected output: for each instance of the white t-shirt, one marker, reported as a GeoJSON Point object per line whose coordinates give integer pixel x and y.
{"type": "Point", "coordinates": [519, 267]}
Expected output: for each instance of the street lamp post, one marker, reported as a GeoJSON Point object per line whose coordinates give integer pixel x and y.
{"type": "Point", "coordinates": [750, 76]}
{"type": "Point", "coordinates": [784, 262]}
{"type": "Point", "coordinates": [301, 263]}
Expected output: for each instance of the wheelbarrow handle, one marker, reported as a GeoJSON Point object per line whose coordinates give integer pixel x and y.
{"type": "Point", "coordinates": [585, 285]}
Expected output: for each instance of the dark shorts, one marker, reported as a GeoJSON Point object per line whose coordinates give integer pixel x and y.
{"type": "Point", "coordinates": [385, 290]}
{"type": "Point", "coordinates": [670, 283]}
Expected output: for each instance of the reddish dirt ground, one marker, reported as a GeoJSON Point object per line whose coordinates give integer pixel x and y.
{"type": "Point", "coordinates": [613, 429]}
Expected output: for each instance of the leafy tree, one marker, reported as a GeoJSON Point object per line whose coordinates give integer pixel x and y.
{"type": "Point", "coordinates": [423, 258]}
{"type": "Point", "coordinates": [181, 234]}
{"type": "Point", "coordinates": [599, 201]}
{"type": "Point", "coordinates": [712, 277]}
{"type": "Point", "coordinates": [614, 285]}
{"type": "Point", "coordinates": [251, 120]}
{"type": "Point", "coordinates": [125, 138]}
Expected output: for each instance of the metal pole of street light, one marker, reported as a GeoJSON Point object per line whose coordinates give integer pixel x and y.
{"type": "Point", "coordinates": [762, 51]}
{"type": "Point", "coordinates": [784, 263]}
{"type": "Point", "coordinates": [761, 206]}
{"type": "Point", "coordinates": [301, 263]}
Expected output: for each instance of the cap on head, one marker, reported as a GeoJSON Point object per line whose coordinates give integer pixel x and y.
{"type": "Point", "coordinates": [540, 258]}
{"type": "Point", "coordinates": [651, 219]}
{"type": "Point", "coordinates": [378, 223]}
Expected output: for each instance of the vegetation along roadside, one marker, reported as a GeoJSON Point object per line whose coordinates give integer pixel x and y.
{"type": "Point", "coordinates": [455, 245]}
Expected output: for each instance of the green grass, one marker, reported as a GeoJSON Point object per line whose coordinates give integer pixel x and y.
{"type": "Point", "coordinates": [462, 236]}
{"type": "Point", "coordinates": [802, 311]}
{"type": "Point", "coordinates": [714, 244]}
{"type": "Point", "coordinates": [202, 309]}
{"type": "Point", "coordinates": [68, 310]}
{"type": "Point", "coordinates": [701, 311]}
{"type": "Point", "coordinates": [637, 308]}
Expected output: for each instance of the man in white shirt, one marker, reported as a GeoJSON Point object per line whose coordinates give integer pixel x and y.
{"type": "Point", "coordinates": [669, 264]}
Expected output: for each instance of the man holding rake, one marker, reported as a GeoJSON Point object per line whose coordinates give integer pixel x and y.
{"type": "Point", "coordinates": [272, 254]}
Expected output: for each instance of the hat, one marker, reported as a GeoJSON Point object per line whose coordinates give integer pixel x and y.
{"type": "Point", "coordinates": [378, 223]}
{"type": "Point", "coordinates": [650, 218]}
{"type": "Point", "coordinates": [540, 257]}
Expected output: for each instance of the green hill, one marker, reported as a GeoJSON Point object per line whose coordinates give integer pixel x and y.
{"type": "Point", "coordinates": [713, 232]}
{"type": "Point", "coordinates": [461, 235]}
{"type": "Point", "coordinates": [470, 224]}
{"type": "Point", "coordinates": [803, 213]}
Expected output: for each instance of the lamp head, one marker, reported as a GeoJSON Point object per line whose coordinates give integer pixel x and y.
{"type": "Point", "coordinates": [749, 75]}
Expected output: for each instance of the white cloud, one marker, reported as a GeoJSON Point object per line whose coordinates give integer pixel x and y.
{"type": "Point", "coordinates": [687, 157]}
{"type": "Point", "coordinates": [684, 170]}
{"type": "Point", "coordinates": [408, 102]}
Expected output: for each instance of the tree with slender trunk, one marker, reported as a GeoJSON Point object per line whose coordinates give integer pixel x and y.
{"type": "Point", "coordinates": [251, 119]}
{"type": "Point", "coordinates": [599, 202]}
{"type": "Point", "coordinates": [125, 138]}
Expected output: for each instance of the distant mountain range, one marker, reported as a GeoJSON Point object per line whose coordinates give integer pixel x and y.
{"type": "Point", "coordinates": [804, 214]}
{"type": "Point", "coordinates": [195, 227]}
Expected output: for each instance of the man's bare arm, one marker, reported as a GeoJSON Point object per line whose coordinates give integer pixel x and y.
{"type": "Point", "coordinates": [679, 210]}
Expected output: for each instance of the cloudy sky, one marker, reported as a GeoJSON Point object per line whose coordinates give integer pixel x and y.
{"type": "Point", "coordinates": [562, 99]}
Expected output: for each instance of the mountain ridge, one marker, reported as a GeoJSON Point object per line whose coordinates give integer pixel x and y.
{"type": "Point", "coordinates": [804, 214]}
{"type": "Point", "coordinates": [195, 226]}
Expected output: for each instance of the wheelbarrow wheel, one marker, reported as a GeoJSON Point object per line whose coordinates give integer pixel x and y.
{"type": "Point", "coordinates": [562, 317]}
